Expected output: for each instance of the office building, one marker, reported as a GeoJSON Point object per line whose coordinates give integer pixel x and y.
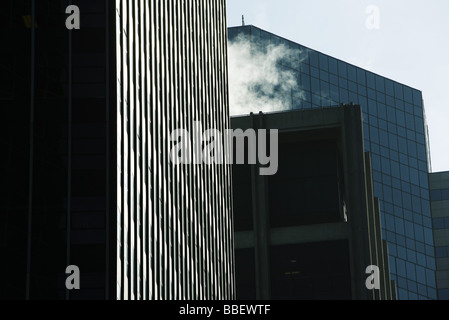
{"type": "Point", "coordinates": [310, 231]}
{"type": "Point", "coordinates": [395, 134]}
{"type": "Point", "coordinates": [86, 173]}
{"type": "Point", "coordinates": [439, 195]}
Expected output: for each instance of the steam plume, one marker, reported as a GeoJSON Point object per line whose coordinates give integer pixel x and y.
{"type": "Point", "coordinates": [259, 78]}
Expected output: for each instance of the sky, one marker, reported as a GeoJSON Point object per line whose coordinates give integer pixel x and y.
{"type": "Point", "coordinates": [404, 40]}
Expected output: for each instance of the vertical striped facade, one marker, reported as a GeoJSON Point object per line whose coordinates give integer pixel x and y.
{"type": "Point", "coordinates": [174, 223]}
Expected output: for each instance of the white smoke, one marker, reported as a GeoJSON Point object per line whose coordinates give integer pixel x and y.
{"type": "Point", "coordinates": [258, 81]}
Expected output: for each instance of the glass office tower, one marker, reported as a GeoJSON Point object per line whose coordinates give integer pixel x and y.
{"type": "Point", "coordinates": [394, 132]}
{"type": "Point", "coordinates": [174, 223]}
{"type": "Point", "coordinates": [86, 176]}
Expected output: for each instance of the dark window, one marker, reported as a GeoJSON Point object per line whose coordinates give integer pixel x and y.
{"type": "Point", "coordinates": [306, 188]}
{"type": "Point", "coordinates": [313, 271]}
{"type": "Point", "coordinates": [324, 62]}
{"type": "Point", "coordinates": [442, 252]}
{"type": "Point", "coordinates": [389, 87]}
{"type": "Point", "coordinates": [443, 294]}
{"type": "Point", "coordinates": [408, 95]}
{"type": "Point", "coordinates": [352, 73]}
{"type": "Point", "coordinates": [314, 59]}
{"type": "Point", "coordinates": [245, 274]}
{"type": "Point", "coordinates": [398, 92]}
{"type": "Point", "coordinates": [371, 80]}
{"type": "Point", "coordinates": [342, 69]}
{"type": "Point", "coordinates": [243, 205]}
{"type": "Point", "coordinates": [380, 83]}
{"type": "Point", "coordinates": [445, 194]}
{"type": "Point", "coordinates": [333, 66]}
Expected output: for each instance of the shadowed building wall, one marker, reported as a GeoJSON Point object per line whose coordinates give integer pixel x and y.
{"type": "Point", "coordinates": [87, 178]}
{"type": "Point", "coordinates": [310, 231]}
{"type": "Point", "coordinates": [439, 194]}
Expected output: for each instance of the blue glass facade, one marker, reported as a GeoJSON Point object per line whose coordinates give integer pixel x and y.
{"type": "Point", "coordinates": [439, 197]}
{"type": "Point", "coordinates": [395, 134]}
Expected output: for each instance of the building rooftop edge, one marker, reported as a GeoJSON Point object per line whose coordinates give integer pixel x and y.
{"type": "Point", "coordinates": [296, 43]}
{"type": "Point", "coordinates": [333, 108]}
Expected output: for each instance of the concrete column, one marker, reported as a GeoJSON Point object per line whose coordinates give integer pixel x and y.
{"type": "Point", "coordinates": [377, 294]}
{"type": "Point", "coordinates": [354, 171]}
{"type": "Point", "coordinates": [261, 218]}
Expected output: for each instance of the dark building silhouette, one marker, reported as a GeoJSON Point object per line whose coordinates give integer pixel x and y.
{"type": "Point", "coordinates": [394, 132]}
{"type": "Point", "coordinates": [86, 173]}
{"type": "Point", "coordinates": [439, 195]}
{"type": "Point", "coordinates": [311, 230]}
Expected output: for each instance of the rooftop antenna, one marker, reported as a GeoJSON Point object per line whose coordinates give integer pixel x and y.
{"type": "Point", "coordinates": [243, 20]}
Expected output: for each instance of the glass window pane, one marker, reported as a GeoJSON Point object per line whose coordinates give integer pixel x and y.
{"type": "Point", "coordinates": [333, 79]}
{"type": "Point", "coordinates": [342, 69]}
{"type": "Point", "coordinates": [428, 236]}
{"type": "Point", "coordinates": [408, 95]}
{"type": "Point", "coordinates": [371, 80]}
{"type": "Point", "coordinates": [324, 75]}
{"type": "Point", "coordinates": [372, 107]}
{"type": "Point", "coordinates": [389, 87]}
{"type": "Point", "coordinates": [400, 226]}
{"type": "Point", "coordinates": [441, 252]}
{"type": "Point", "coordinates": [414, 176]}
{"type": "Point", "coordinates": [333, 66]}
{"type": "Point", "coordinates": [402, 283]}
{"type": "Point", "coordinates": [374, 136]}
{"type": "Point", "coordinates": [335, 94]}
{"type": "Point", "coordinates": [305, 82]}
{"type": "Point", "coordinates": [390, 223]}
{"type": "Point", "coordinates": [362, 90]}
{"type": "Point", "coordinates": [324, 62]}
{"type": "Point", "coordinates": [381, 97]}
{"type": "Point", "coordinates": [410, 121]}
{"type": "Point", "coordinates": [402, 252]}
{"type": "Point", "coordinates": [402, 145]}
{"type": "Point", "coordinates": [406, 201]}
{"type": "Point", "coordinates": [315, 86]}
{"type": "Point", "coordinates": [409, 230]}
{"type": "Point", "coordinates": [421, 274]}
{"type": "Point", "coordinates": [382, 111]}
{"type": "Point", "coordinates": [417, 98]}
{"type": "Point", "coordinates": [400, 116]}
{"type": "Point", "coordinates": [400, 267]}
{"type": "Point", "coordinates": [352, 73]}
{"type": "Point", "coordinates": [411, 255]}
{"type": "Point", "coordinates": [445, 194]}
{"type": "Point", "coordinates": [380, 83]}
{"type": "Point", "coordinates": [398, 92]}
{"type": "Point", "coordinates": [344, 95]}
{"type": "Point", "coordinates": [353, 86]}
{"type": "Point", "coordinates": [325, 89]}
{"type": "Point", "coordinates": [361, 76]}
{"type": "Point", "coordinates": [424, 180]}
{"type": "Point", "coordinates": [430, 276]}
{"type": "Point", "coordinates": [313, 56]}
{"type": "Point", "coordinates": [419, 125]}
{"type": "Point", "coordinates": [314, 72]}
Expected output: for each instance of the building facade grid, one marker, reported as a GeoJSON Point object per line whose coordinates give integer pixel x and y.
{"type": "Point", "coordinates": [174, 223]}
{"type": "Point", "coordinates": [395, 135]}
{"type": "Point", "coordinates": [439, 195]}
